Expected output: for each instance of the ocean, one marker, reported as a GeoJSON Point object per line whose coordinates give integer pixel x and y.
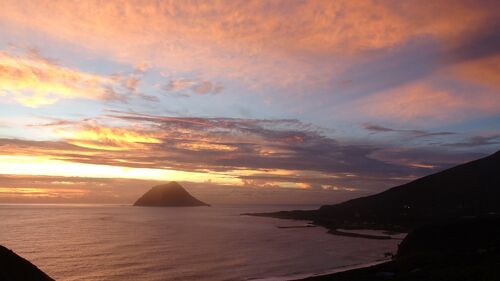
{"type": "Point", "coordinates": [120, 242]}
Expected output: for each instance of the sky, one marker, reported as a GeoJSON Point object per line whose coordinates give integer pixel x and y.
{"type": "Point", "coordinates": [261, 102]}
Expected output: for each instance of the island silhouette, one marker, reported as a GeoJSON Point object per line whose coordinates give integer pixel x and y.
{"type": "Point", "coordinates": [171, 194]}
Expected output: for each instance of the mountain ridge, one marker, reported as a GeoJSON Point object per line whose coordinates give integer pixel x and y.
{"type": "Point", "coordinates": [469, 189]}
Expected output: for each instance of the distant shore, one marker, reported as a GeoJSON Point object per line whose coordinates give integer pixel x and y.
{"type": "Point", "coordinates": [305, 276]}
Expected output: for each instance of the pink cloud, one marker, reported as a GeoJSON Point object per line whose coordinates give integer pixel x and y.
{"type": "Point", "coordinates": [419, 102]}
{"type": "Point", "coordinates": [483, 71]}
{"type": "Point", "coordinates": [252, 41]}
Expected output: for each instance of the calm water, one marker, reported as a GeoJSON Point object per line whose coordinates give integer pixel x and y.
{"type": "Point", "coordinates": [109, 242]}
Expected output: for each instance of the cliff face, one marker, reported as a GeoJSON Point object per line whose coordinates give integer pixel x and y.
{"type": "Point", "coordinates": [168, 195]}
{"type": "Point", "coordinates": [16, 268]}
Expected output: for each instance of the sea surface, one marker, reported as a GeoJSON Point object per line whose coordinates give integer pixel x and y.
{"type": "Point", "coordinates": [119, 242]}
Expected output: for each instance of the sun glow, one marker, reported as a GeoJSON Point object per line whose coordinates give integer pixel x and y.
{"type": "Point", "coordinates": [37, 165]}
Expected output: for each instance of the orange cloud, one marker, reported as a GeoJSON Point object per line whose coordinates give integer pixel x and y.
{"type": "Point", "coordinates": [108, 138]}
{"type": "Point", "coordinates": [303, 185]}
{"type": "Point", "coordinates": [95, 136]}
{"type": "Point", "coordinates": [198, 146]}
{"type": "Point", "coordinates": [284, 153]}
{"type": "Point", "coordinates": [254, 41]}
{"type": "Point", "coordinates": [425, 166]}
{"type": "Point", "coordinates": [34, 81]}
{"type": "Point", "coordinates": [484, 71]}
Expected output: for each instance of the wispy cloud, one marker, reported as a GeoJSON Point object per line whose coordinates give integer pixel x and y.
{"type": "Point", "coordinates": [200, 87]}
{"type": "Point", "coordinates": [414, 133]}
{"type": "Point", "coordinates": [285, 152]}
{"type": "Point", "coordinates": [427, 159]}
{"type": "Point", "coordinates": [34, 81]}
{"type": "Point", "coordinates": [249, 40]}
{"type": "Point", "coordinates": [108, 138]}
{"type": "Point", "coordinates": [477, 141]}
{"type": "Point", "coordinates": [420, 103]}
{"type": "Point", "coordinates": [175, 85]}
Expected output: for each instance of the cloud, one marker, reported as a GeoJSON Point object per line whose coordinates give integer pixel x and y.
{"type": "Point", "coordinates": [477, 141]}
{"type": "Point", "coordinates": [281, 151]}
{"type": "Point", "coordinates": [175, 85]}
{"type": "Point", "coordinates": [377, 129]}
{"type": "Point", "coordinates": [108, 138]}
{"type": "Point", "coordinates": [35, 81]}
{"type": "Point", "coordinates": [206, 87]}
{"type": "Point", "coordinates": [262, 153]}
{"type": "Point", "coordinates": [484, 71]}
{"type": "Point", "coordinates": [131, 83]}
{"type": "Point", "coordinates": [252, 41]}
{"type": "Point", "coordinates": [414, 133]}
{"type": "Point", "coordinates": [234, 148]}
{"type": "Point", "coordinates": [200, 87]}
{"type": "Point", "coordinates": [421, 103]}
{"type": "Point", "coordinates": [432, 159]}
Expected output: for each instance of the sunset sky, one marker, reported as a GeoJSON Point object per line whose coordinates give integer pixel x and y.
{"type": "Point", "coordinates": [242, 101]}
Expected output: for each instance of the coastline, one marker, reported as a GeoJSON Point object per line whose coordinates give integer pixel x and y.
{"type": "Point", "coordinates": [374, 234]}
{"type": "Point", "coordinates": [302, 276]}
